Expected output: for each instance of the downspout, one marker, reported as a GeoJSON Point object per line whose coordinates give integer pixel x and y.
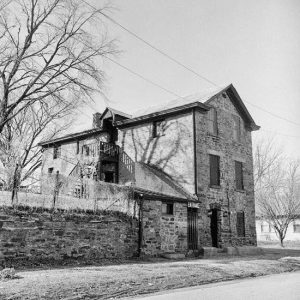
{"type": "Point", "coordinates": [141, 226]}
{"type": "Point", "coordinates": [195, 152]}
{"type": "Point", "coordinates": [229, 213]}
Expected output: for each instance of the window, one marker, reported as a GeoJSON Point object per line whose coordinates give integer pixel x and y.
{"type": "Point", "coordinates": [265, 227]}
{"type": "Point", "coordinates": [50, 171]}
{"type": "Point", "coordinates": [239, 181]}
{"type": "Point", "coordinates": [214, 164]}
{"type": "Point", "coordinates": [236, 128]}
{"type": "Point", "coordinates": [167, 208]}
{"type": "Point", "coordinates": [296, 228]}
{"type": "Point", "coordinates": [56, 152]}
{"type": "Point", "coordinates": [240, 224]}
{"type": "Point", "coordinates": [86, 150]}
{"type": "Point", "coordinates": [212, 119]}
{"type": "Point", "coordinates": [158, 128]}
{"type": "Point", "coordinates": [77, 147]}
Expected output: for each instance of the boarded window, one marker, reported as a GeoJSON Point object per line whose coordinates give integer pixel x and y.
{"type": "Point", "coordinates": [158, 128]}
{"type": "Point", "coordinates": [214, 164]}
{"type": "Point", "coordinates": [212, 121]}
{"type": "Point", "coordinates": [236, 128]}
{"type": "Point", "coordinates": [167, 208]}
{"type": "Point", "coordinates": [240, 223]}
{"type": "Point", "coordinates": [239, 180]}
{"type": "Point", "coordinates": [56, 152]}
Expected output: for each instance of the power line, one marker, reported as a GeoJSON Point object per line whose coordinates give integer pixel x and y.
{"type": "Point", "coordinates": [144, 78]}
{"type": "Point", "coordinates": [152, 46]}
{"type": "Point", "coordinates": [272, 114]}
{"type": "Point", "coordinates": [174, 60]}
{"type": "Point", "coordinates": [287, 135]}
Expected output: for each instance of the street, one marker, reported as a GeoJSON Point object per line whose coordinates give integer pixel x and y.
{"type": "Point", "coordinates": [278, 286]}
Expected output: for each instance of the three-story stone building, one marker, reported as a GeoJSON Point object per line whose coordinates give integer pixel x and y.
{"type": "Point", "coordinates": [190, 160]}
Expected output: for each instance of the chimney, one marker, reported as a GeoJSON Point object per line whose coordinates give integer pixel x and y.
{"type": "Point", "coordinates": [96, 120]}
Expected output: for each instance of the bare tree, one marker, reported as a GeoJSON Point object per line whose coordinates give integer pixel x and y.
{"type": "Point", "coordinates": [48, 53]}
{"type": "Point", "coordinates": [20, 154]}
{"type": "Point", "coordinates": [279, 197]}
{"type": "Point", "coordinates": [266, 155]}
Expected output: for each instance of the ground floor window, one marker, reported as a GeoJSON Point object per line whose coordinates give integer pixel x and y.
{"type": "Point", "coordinates": [240, 223]}
{"type": "Point", "coordinates": [296, 228]}
{"type": "Point", "coordinates": [167, 208]}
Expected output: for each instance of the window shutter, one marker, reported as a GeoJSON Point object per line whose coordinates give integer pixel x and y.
{"type": "Point", "coordinates": [215, 122]}
{"type": "Point", "coordinates": [240, 223]}
{"type": "Point", "coordinates": [214, 164]}
{"type": "Point", "coordinates": [239, 175]}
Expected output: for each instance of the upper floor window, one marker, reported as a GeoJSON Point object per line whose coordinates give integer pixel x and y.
{"type": "Point", "coordinates": [158, 128]}
{"type": "Point", "coordinates": [214, 166]}
{"type": "Point", "coordinates": [77, 147]}
{"type": "Point", "coordinates": [239, 180]}
{"type": "Point", "coordinates": [236, 128]}
{"type": "Point", "coordinates": [56, 152]}
{"type": "Point", "coordinates": [86, 150]}
{"type": "Point", "coordinates": [240, 223]}
{"type": "Point", "coordinates": [212, 121]}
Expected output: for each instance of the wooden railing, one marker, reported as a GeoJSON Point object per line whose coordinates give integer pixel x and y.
{"type": "Point", "coordinates": [109, 149]}
{"type": "Point", "coordinates": [127, 161]}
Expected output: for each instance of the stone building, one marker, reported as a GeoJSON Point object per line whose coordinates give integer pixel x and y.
{"type": "Point", "coordinates": [190, 161]}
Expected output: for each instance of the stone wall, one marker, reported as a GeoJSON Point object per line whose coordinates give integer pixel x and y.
{"type": "Point", "coordinates": [226, 198]}
{"type": "Point", "coordinates": [41, 236]}
{"type": "Point", "coordinates": [171, 152]}
{"type": "Point", "coordinates": [164, 233]}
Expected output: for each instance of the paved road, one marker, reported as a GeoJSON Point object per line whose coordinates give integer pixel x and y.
{"type": "Point", "coordinates": [280, 286]}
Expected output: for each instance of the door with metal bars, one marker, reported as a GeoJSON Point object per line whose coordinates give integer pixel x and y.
{"type": "Point", "coordinates": [192, 228]}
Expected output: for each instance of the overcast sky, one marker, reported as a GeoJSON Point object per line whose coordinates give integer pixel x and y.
{"type": "Point", "coordinates": [253, 44]}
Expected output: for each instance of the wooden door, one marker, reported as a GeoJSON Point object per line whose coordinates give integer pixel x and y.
{"type": "Point", "coordinates": [192, 228]}
{"type": "Point", "coordinates": [214, 227]}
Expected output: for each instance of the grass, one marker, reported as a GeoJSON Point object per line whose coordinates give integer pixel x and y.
{"type": "Point", "coordinates": [105, 282]}
{"type": "Point", "coordinates": [276, 244]}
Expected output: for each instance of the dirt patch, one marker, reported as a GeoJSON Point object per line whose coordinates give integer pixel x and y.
{"type": "Point", "coordinates": [104, 282]}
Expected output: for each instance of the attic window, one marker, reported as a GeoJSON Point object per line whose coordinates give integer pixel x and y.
{"type": "Point", "coordinates": [212, 121]}
{"type": "Point", "coordinates": [236, 128]}
{"type": "Point", "coordinates": [158, 128]}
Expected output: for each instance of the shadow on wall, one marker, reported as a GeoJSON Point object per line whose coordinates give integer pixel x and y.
{"type": "Point", "coordinates": [165, 145]}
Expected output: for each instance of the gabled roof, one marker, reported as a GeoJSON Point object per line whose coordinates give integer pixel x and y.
{"type": "Point", "coordinates": [114, 112]}
{"type": "Point", "coordinates": [199, 100]}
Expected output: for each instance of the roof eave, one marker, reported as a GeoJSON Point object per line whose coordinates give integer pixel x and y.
{"type": "Point", "coordinates": [165, 113]}
{"type": "Point", "coordinates": [74, 136]}
{"type": "Point", "coordinates": [241, 106]}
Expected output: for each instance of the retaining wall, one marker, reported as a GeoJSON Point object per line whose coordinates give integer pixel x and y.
{"type": "Point", "coordinates": [39, 235]}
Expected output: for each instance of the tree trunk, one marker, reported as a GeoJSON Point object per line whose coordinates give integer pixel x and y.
{"type": "Point", "coordinates": [281, 238]}
{"type": "Point", "coordinates": [15, 185]}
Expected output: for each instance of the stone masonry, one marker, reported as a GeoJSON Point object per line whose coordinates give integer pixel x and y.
{"type": "Point", "coordinates": [41, 236]}
{"type": "Point", "coordinates": [226, 198]}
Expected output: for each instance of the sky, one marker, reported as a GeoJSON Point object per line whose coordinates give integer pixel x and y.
{"type": "Point", "coordinates": [253, 44]}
